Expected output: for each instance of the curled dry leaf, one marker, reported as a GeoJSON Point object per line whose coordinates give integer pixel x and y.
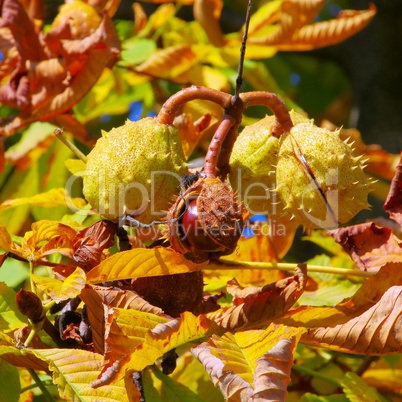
{"type": "Point", "coordinates": [49, 73]}
{"type": "Point", "coordinates": [90, 243]}
{"type": "Point", "coordinates": [369, 245]}
{"type": "Point", "coordinates": [260, 306]}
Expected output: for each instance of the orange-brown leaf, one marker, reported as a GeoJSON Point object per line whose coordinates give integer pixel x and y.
{"type": "Point", "coordinates": [190, 131]}
{"type": "Point", "coordinates": [323, 33]}
{"type": "Point", "coordinates": [141, 262]}
{"type": "Point", "coordinates": [264, 306]}
{"type": "Point", "coordinates": [369, 245]}
{"type": "Point", "coordinates": [208, 13]}
{"type": "Point", "coordinates": [169, 62]}
{"type": "Point", "coordinates": [293, 16]}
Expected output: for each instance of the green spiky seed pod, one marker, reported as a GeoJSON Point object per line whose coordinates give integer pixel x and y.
{"type": "Point", "coordinates": [252, 166]}
{"type": "Point", "coordinates": [319, 180]}
{"type": "Point", "coordinates": [135, 169]}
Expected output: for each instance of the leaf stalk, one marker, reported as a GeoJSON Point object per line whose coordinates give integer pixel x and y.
{"type": "Point", "coordinates": [223, 264]}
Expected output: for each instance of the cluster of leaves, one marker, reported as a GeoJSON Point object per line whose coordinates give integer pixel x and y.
{"type": "Point", "coordinates": [242, 340]}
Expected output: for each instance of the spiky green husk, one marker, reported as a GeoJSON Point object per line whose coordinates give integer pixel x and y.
{"type": "Point", "coordinates": [253, 163]}
{"type": "Point", "coordinates": [135, 169]}
{"type": "Point", "coordinates": [318, 179]}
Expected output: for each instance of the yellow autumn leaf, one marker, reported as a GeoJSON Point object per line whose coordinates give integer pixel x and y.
{"type": "Point", "coordinates": [73, 372]}
{"type": "Point", "coordinates": [141, 262]}
{"type": "Point", "coordinates": [76, 167]}
{"type": "Point", "coordinates": [62, 290]}
{"type": "Point", "coordinates": [17, 356]}
{"type": "Point", "coordinates": [264, 16]}
{"type": "Point", "coordinates": [168, 336]}
{"type": "Point", "coordinates": [53, 198]}
{"type": "Point", "coordinates": [124, 325]}
{"type": "Point", "coordinates": [160, 339]}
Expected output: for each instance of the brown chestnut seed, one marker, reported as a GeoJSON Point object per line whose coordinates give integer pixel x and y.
{"type": "Point", "coordinates": [192, 231]}
{"type": "Point", "coordinates": [206, 220]}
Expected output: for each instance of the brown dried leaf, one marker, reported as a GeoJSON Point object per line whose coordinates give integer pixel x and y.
{"type": "Point", "coordinates": [263, 307]}
{"type": "Point", "coordinates": [90, 243]}
{"type": "Point", "coordinates": [240, 367]}
{"type": "Point", "coordinates": [378, 331]}
{"type": "Point", "coordinates": [56, 82]}
{"type": "Point", "coordinates": [393, 203]}
{"type": "Point", "coordinates": [272, 374]}
{"type": "Point", "coordinates": [369, 245]}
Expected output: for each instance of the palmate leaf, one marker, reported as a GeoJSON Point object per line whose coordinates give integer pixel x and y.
{"type": "Point", "coordinates": [251, 365]}
{"type": "Point", "coordinates": [73, 372]}
{"type": "Point", "coordinates": [141, 262]}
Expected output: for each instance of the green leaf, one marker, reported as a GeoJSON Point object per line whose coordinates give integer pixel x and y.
{"type": "Point", "coordinates": [136, 50]}
{"type": "Point", "coordinates": [357, 390]}
{"type": "Point", "coordinates": [172, 391]}
{"type": "Point", "coordinates": [73, 372]}
{"type": "Point", "coordinates": [10, 317]}
{"type": "Point", "coordinates": [10, 386]}
{"type": "Point", "coordinates": [315, 398]}
{"type": "Point", "coordinates": [14, 272]}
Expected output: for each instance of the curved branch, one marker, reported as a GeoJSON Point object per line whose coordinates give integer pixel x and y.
{"type": "Point", "coordinates": [172, 106]}
{"type": "Point", "coordinates": [215, 146]}
{"type": "Point", "coordinates": [283, 121]}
